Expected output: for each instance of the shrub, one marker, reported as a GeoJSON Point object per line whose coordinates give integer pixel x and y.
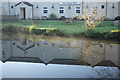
{"type": "Point", "coordinates": [38, 31]}
{"type": "Point", "coordinates": [53, 16]}
{"type": "Point", "coordinates": [30, 28]}
{"type": "Point", "coordinates": [112, 35]}
{"type": "Point", "coordinates": [11, 28]}
{"type": "Point", "coordinates": [77, 18]}
{"type": "Point", "coordinates": [46, 31]}
{"type": "Point", "coordinates": [24, 30]}
{"type": "Point", "coordinates": [94, 34]}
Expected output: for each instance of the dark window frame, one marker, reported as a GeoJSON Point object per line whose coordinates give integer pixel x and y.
{"type": "Point", "coordinates": [77, 10]}
{"type": "Point", "coordinates": [61, 11]}
{"type": "Point", "coordinates": [45, 11]}
{"type": "Point", "coordinates": [102, 7]}
{"type": "Point", "coordinates": [113, 6]}
{"type": "Point", "coordinates": [12, 7]}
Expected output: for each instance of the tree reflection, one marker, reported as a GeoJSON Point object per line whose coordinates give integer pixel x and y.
{"type": "Point", "coordinates": [91, 54]}
{"type": "Point", "coordinates": [107, 72]}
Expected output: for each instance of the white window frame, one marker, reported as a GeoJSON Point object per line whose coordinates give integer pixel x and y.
{"type": "Point", "coordinates": [61, 9]}
{"type": "Point", "coordinates": [45, 9]}
{"type": "Point", "coordinates": [77, 9]}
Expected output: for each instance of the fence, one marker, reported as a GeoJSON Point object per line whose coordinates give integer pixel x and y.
{"type": "Point", "coordinates": [10, 18]}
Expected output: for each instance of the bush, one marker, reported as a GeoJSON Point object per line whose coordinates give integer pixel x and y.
{"type": "Point", "coordinates": [112, 35]}
{"type": "Point", "coordinates": [24, 30]}
{"type": "Point", "coordinates": [53, 16]}
{"type": "Point", "coordinates": [46, 31]}
{"type": "Point", "coordinates": [11, 28]}
{"type": "Point", "coordinates": [38, 31]}
{"type": "Point", "coordinates": [94, 34]}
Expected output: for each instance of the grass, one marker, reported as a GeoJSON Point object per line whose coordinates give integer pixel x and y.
{"type": "Point", "coordinates": [75, 28]}
{"type": "Point", "coordinates": [106, 26]}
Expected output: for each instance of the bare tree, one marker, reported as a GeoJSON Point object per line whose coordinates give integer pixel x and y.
{"type": "Point", "coordinates": [92, 18]}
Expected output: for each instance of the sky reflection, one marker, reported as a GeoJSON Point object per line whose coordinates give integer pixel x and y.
{"type": "Point", "coordinates": [38, 70]}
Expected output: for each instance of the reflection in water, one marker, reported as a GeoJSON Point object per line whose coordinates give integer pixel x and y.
{"type": "Point", "coordinates": [91, 54]}
{"type": "Point", "coordinates": [106, 72]}
{"type": "Point", "coordinates": [57, 50]}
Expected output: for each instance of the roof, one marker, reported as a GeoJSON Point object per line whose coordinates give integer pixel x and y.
{"type": "Point", "coordinates": [107, 63]}
{"type": "Point", "coordinates": [54, 61]}
{"type": "Point", "coordinates": [61, 61]}
{"type": "Point", "coordinates": [27, 3]}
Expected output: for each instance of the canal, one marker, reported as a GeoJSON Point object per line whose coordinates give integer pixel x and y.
{"type": "Point", "coordinates": [62, 54]}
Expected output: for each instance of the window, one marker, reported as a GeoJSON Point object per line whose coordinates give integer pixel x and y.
{"type": "Point", "coordinates": [61, 10]}
{"type": "Point", "coordinates": [102, 7]}
{"type": "Point", "coordinates": [95, 10]}
{"type": "Point", "coordinates": [37, 6]}
{"type": "Point", "coordinates": [45, 10]}
{"type": "Point", "coordinates": [77, 9]}
{"type": "Point", "coordinates": [44, 7]}
{"type": "Point", "coordinates": [86, 6]}
{"type": "Point", "coordinates": [61, 7]}
{"type": "Point", "coordinates": [113, 5]}
{"type": "Point", "coordinates": [94, 7]}
{"type": "Point", "coordinates": [12, 7]}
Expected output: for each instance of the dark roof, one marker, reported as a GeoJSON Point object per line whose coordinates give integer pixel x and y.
{"type": "Point", "coordinates": [27, 3]}
{"type": "Point", "coordinates": [106, 63]}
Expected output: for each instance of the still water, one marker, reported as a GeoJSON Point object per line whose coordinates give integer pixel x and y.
{"type": "Point", "coordinates": [69, 56]}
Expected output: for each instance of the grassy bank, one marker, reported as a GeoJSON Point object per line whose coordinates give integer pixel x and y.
{"type": "Point", "coordinates": [74, 29]}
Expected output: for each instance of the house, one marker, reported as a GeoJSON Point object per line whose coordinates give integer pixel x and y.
{"type": "Point", "coordinates": [39, 10]}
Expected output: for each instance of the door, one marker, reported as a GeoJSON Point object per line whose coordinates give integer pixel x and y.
{"type": "Point", "coordinates": [22, 13]}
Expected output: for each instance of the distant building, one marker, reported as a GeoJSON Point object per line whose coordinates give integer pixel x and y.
{"type": "Point", "coordinates": [39, 10]}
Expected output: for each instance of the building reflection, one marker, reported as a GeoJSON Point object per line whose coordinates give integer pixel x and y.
{"type": "Point", "coordinates": [73, 52]}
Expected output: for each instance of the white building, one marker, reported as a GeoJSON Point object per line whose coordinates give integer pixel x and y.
{"type": "Point", "coordinates": [27, 9]}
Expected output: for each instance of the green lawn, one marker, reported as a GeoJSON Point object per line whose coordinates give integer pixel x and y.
{"type": "Point", "coordinates": [74, 28]}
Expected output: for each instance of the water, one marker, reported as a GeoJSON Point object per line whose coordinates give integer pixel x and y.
{"type": "Point", "coordinates": [53, 50]}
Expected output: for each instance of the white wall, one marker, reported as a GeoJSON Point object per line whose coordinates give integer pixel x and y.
{"type": "Point", "coordinates": [95, 4]}
{"type": "Point", "coordinates": [12, 11]}
{"type": "Point", "coordinates": [28, 10]}
{"type": "Point", "coordinates": [112, 12]}
{"type": "Point", "coordinates": [38, 12]}
{"type": "Point", "coordinates": [119, 9]}
{"type": "Point", "coordinates": [5, 8]}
